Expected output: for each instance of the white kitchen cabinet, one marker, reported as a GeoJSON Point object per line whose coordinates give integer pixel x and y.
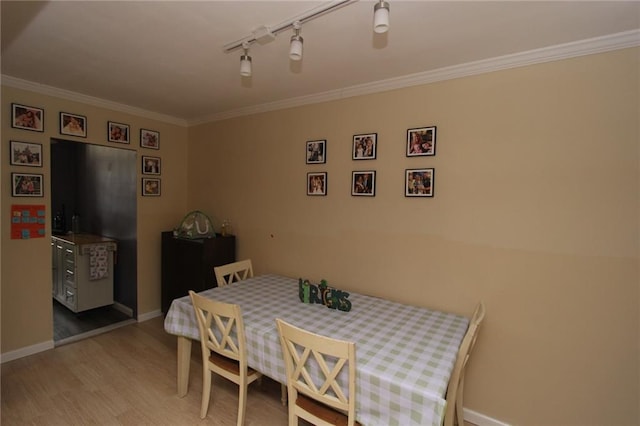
{"type": "Point", "coordinates": [82, 266]}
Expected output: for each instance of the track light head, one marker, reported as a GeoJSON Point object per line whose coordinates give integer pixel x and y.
{"type": "Point", "coordinates": [245, 66]}
{"type": "Point", "coordinates": [295, 50]}
{"type": "Point", "coordinates": [381, 17]}
{"type": "Point", "coordinates": [245, 61]}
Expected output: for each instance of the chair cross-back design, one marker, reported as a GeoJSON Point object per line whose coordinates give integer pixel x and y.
{"type": "Point", "coordinates": [222, 340]}
{"type": "Point", "coordinates": [313, 364]}
{"type": "Point", "coordinates": [232, 272]}
{"type": "Point", "coordinates": [238, 271]}
{"type": "Point", "coordinates": [454, 411]}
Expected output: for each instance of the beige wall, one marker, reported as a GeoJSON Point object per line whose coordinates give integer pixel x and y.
{"type": "Point", "coordinates": [535, 212]}
{"type": "Point", "coordinates": [26, 313]}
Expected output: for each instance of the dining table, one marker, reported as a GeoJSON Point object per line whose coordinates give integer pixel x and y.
{"type": "Point", "coordinates": [404, 354]}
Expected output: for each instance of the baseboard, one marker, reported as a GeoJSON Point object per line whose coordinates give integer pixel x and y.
{"type": "Point", "coordinates": [149, 315]}
{"type": "Point", "coordinates": [26, 351]}
{"type": "Point", "coordinates": [129, 312]}
{"type": "Point", "coordinates": [123, 308]}
{"type": "Point", "coordinates": [41, 347]}
{"type": "Point", "coordinates": [480, 419]}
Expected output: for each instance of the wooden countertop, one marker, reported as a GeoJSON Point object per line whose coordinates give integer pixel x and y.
{"type": "Point", "coordinates": [80, 239]}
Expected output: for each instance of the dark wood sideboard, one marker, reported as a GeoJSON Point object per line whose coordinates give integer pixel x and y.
{"type": "Point", "coordinates": [188, 264]}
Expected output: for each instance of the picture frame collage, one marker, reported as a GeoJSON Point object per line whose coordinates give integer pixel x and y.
{"type": "Point", "coordinates": [364, 147]}
{"type": "Point", "coordinates": [418, 182]}
{"type": "Point", "coordinates": [149, 139]}
{"type": "Point", "coordinates": [421, 142]}
{"type": "Point", "coordinates": [151, 186]}
{"type": "Point", "coordinates": [24, 154]}
{"type": "Point", "coordinates": [30, 154]}
{"type": "Point", "coordinates": [316, 153]}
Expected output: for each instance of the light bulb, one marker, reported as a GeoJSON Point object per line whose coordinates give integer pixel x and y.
{"type": "Point", "coordinates": [381, 17]}
{"type": "Point", "coordinates": [295, 52]}
{"type": "Point", "coordinates": [245, 65]}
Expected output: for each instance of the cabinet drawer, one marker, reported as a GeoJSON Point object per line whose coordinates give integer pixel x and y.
{"type": "Point", "coordinates": [70, 278]}
{"type": "Point", "coordinates": [69, 264]}
{"type": "Point", "coordinates": [70, 297]}
{"type": "Point", "coordinates": [69, 253]}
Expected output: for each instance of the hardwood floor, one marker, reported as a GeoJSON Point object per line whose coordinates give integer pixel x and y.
{"type": "Point", "coordinates": [124, 377]}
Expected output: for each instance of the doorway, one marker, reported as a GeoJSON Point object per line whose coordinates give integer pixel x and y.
{"type": "Point", "coordinates": [69, 326]}
{"type": "Point", "coordinates": [97, 185]}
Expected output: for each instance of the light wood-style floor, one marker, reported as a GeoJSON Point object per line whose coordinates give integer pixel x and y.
{"type": "Point", "coordinates": [124, 377]}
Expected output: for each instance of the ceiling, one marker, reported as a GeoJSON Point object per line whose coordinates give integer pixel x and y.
{"type": "Point", "coordinates": [168, 57]}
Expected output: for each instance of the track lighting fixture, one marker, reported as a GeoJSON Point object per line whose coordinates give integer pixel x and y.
{"type": "Point", "coordinates": [245, 61]}
{"type": "Point", "coordinates": [265, 34]}
{"type": "Point", "coordinates": [381, 17]}
{"type": "Point", "coordinates": [295, 51]}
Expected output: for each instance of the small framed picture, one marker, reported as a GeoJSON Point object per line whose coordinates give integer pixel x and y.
{"type": "Point", "coordinates": [363, 183]}
{"type": "Point", "coordinates": [26, 185]}
{"type": "Point", "coordinates": [150, 165]}
{"type": "Point", "coordinates": [117, 132]}
{"type": "Point", "coordinates": [316, 152]}
{"type": "Point", "coordinates": [364, 146]}
{"type": "Point", "coordinates": [26, 154]}
{"type": "Point", "coordinates": [73, 125]}
{"type": "Point", "coordinates": [149, 139]}
{"type": "Point", "coordinates": [419, 182]}
{"type": "Point", "coordinates": [421, 141]}
{"type": "Point", "coordinates": [150, 187]}
{"type": "Point", "coordinates": [27, 118]}
{"type": "Point", "coordinates": [317, 183]}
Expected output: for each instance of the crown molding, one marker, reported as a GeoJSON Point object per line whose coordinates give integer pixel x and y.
{"type": "Point", "coordinates": [590, 46]}
{"type": "Point", "coordinates": [89, 100]}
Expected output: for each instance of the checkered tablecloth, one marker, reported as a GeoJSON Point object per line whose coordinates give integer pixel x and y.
{"type": "Point", "coordinates": [404, 354]}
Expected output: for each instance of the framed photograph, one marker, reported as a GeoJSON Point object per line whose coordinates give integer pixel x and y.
{"type": "Point", "coordinates": [73, 125]}
{"type": "Point", "coordinates": [26, 185]}
{"type": "Point", "coordinates": [316, 152]}
{"type": "Point", "coordinates": [150, 165]}
{"type": "Point", "coordinates": [27, 118]}
{"type": "Point", "coordinates": [364, 146]}
{"type": "Point", "coordinates": [363, 183]}
{"type": "Point", "coordinates": [117, 132]}
{"type": "Point", "coordinates": [421, 141]}
{"type": "Point", "coordinates": [149, 139]}
{"type": "Point", "coordinates": [150, 187]}
{"type": "Point", "coordinates": [317, 183]}
{"type": "Point", "coordinates": [25, 154]}
{"type": "Point", "coordinates": [419, 182]}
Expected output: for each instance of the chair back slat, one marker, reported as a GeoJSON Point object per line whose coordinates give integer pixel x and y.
{"type": "Point", "coordinates": [221, 326]}
{"type": "Point", "coordinates": [233, 272]}
{"type": "Point", "coordinates": [222, 340]}
{"type": "Point", "coordinates": [314, 364]}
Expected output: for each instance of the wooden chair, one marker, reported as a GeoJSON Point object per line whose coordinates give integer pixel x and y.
{"type": "Point", "coordinates": [222, 340]}
{"type": "Point", "coordinates": [326, 404]}
{"type": "Point", "coordinates": [454, 412]}
{"type": "Point", "coordinates": [232, 272]}
{"type": "Point", "coordinates": [238, 271]}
